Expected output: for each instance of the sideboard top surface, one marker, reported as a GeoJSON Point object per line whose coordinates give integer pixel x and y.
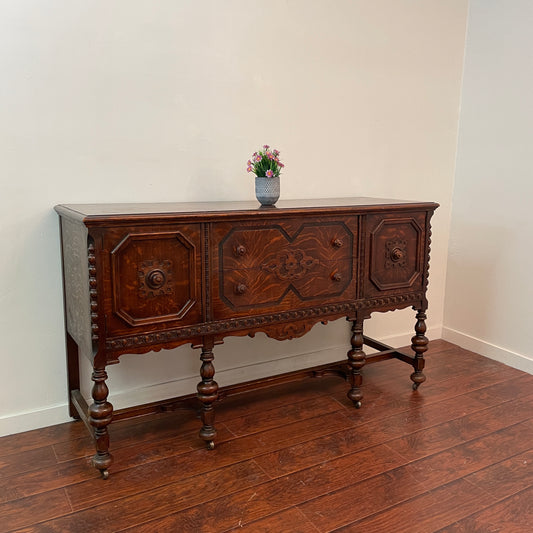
{"type": "Point", "coordinates": [104, 212]}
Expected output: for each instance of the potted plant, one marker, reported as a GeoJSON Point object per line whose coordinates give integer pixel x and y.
{"type": "Point", "coordinates": [266, 166]}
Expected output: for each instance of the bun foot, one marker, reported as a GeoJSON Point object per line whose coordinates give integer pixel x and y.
{"type": "Point", "coordinates": [358, 404]}
{"type": "Point", "coordinates": [415, 386]}
{"type": "Point", "coordinates": [210, 444]}
{"type": "Point", "coordinates": [105, 473]}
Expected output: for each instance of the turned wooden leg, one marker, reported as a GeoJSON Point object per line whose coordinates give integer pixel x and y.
{"type": "Point", "coordinates": [356, 360]}
{"type": "Point", "coordinates": [100, 415]}
{"type": "Point", "coordinates": [207, 394]}
{"type": "Point", "coordinates": [419, 344]}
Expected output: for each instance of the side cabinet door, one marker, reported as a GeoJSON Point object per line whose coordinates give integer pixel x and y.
{"type": "Point", "coordinates": [154, 277]}
{"type": "Point", "coordinates": [395, 253]}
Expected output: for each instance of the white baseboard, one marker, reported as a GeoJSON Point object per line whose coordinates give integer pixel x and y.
{"type": "Point", "coordinates": [26, 421]}
{"type": "Point", "coordinates": [58, 414]}
{"type": "Point", "coordinates": [503, 355]}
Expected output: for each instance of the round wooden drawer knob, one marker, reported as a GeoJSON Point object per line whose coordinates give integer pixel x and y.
{"type": "Point", "coordinates": [240, 250]}
{"type": "Point", "coordinates": [240, 288]}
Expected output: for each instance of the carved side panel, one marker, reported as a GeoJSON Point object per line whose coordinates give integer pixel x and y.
{"type": "Point", "coordinates": [395, 253]}
{"type": "Point", "coordinates": [77, 284]}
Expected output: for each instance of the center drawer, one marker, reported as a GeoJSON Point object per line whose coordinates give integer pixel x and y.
{"type": "Point", "coordinates": [281, 265]}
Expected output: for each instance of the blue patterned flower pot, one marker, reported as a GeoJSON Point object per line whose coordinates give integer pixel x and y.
{"type": "Point", "coordinates": [267, 190]}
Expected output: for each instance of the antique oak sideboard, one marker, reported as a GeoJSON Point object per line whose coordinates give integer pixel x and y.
{"type": "Point", "coordinates": [142, 277]}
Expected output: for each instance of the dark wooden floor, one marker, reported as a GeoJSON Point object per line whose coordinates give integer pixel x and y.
{"type": "Point", "coordinates": [455, 456]}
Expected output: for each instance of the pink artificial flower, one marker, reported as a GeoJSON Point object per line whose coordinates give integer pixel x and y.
{"type": "Point", "coordinates": [249, 163]}
{"type": "Point", "coordinates": [280, 164]}
{"type": "Point", "coordinates": [276, 152]}
{"type": "Point", "coordinates": [269, 173]}
{"type": "Point", "coordinates": [270, 155]}
{"type": "Point", "coordinates": [249, 169]}
{"type": "Point", "coordinates": [258, 158]}
{"type": "Point", "coordinates": [266, 147]}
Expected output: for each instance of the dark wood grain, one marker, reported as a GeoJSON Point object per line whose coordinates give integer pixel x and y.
{"type": "Point", "coordinates": [425, 513]}
{"type": "Point", "coordinates": [514, 514]}
{"type": "Point", "coordinates": [456, 456]}
{"type": "Point", "coordinates": [287, 491]}
{"type": "Point", "coordinates": [290, 521]}
{"type": "Point", "coordinates": [507, 477]}
{"type": "Point", "coordinates": [34, 509]}
{"type": "Point", "coordinates": [469, 457]}
{"type": "Point", "coordinates": [166, 499]}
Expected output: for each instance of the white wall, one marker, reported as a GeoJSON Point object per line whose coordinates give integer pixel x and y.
{"type": "Point", "coordinates": [145, 101]}
{"type": "Point", "coordinates": [489, 289]}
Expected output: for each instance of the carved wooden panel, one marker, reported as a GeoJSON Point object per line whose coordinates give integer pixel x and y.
{"type": "Point", "coordinates": [155, 277]}
{"type": "Point", "coordinates": [286, 262]}
{"type": "Point", "coordinates": [395, 253]}
{"type": "Point", "coordinates": [76, 280]}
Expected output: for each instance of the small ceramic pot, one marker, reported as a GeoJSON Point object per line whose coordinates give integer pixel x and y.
{"type": "Point", "coordinates": [267, 190]}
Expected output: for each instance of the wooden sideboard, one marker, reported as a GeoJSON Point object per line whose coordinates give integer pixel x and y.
{"type": "Point", "coordinates": [143, 277]}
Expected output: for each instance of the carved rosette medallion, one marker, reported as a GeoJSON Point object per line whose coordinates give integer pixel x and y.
{"type": "Point", "coordinates": [396, 253]}
{"type": "Point", "coordinates": [290, 265]}
{"type": "Point", "coordinates": [155, 279]}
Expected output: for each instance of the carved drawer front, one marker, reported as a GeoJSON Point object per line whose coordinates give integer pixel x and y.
{"type": "Point", "coordinates": [155, 277]}
{"type": "Point", "coordinates": [395, 253]}
{"type": "Point", "coordinates": [288, 264]}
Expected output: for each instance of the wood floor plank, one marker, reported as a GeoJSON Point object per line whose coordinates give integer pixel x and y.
{"type": "Point", "coordinates": [45, 479]}
{"type": "Point", "coordinates": [425, 513]}
{"type": "Point", "coordinates": [375, 432]}
{"type": "Point", "coordinates": [396, 396]}
{"type": "Point", "coordinates": [271, 418]}
{"type": "Point", "coordinates": [285, 492]}
{"type": "Point", "coordinates": [145, 506]}
{"type": "Point", "coordinates": [124, 433]}
{"type": "Point", "coordinates": [357, 500]}
{"type": "Point", "coordinates": [513, 515]}
{"type": "Point", "coordinates": [460, 461]}
{"type": "Point", "coordinates": [434, 391]}
{"type": "Point", "coordinates": [165, 471]}
{"type": "Point", "coordinates": [461, 429]}
{"type": "Point", "coordinates": [506, 477]}
{"type": "Point", "coordinates": [34, 509]}
{"type": "Point", "coordinates": [297, 457]}
{"type": "Point", "coordinates": [37, 438]}
{"type": "Point", "coordinates": [81, 470]}
{"type": "Point", "coordinates": [513, 388]}
{"type": "Point", "coordinates": [289, 521]}
{"type": "Point", "coordinates": [129, 457]}
{"type": "Point", "coordinates": [15, 464]}
{"type": "Point", "coordinates": [440, 469]}
{"type": "Point", "coordinates": [249, 402]}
